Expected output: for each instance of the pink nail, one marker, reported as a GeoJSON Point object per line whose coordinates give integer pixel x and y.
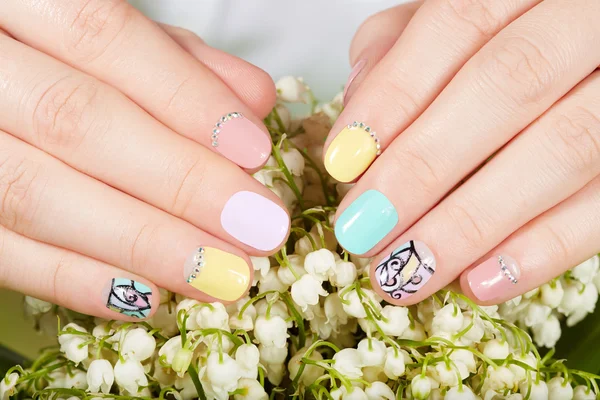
{"type": "Point", "coordinates": [255, 220]}
{"type": "Point", "coordinates": [493, 277]}
{"type": "Point", "coordinates": [242, 142]}
{"type": "Point", "coordinates": [358, 67]}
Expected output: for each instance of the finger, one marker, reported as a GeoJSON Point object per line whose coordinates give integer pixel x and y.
{"type": "Point", "coordinates": [547, 163]}
{"type": "Point", "coordinates": [546, 247]}
{"type": "Point", "coordinates": [96, 130]}
{"type": "Point", "coordinates": [501, 90]}
{"type": "Point", "coordinates": [115, 43]}
{"type": "Point", "coordinates": [373, 39]}
{"type": "Point", "coordinates": [250, 84]}
{"type": "Point", "coordinates": [74, 281]}
{"type": "Point", "coordinates": [47, 201]}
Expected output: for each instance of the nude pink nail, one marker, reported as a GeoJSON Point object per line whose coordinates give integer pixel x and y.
{"type": "Point", "coordinates": [491, 278]}
{"type": "Point", "coordinates": [255, 220]}
{"type": "Point", "coordinates": [241, 141]}
{"type": "Point", "coordinates": [358, 67]}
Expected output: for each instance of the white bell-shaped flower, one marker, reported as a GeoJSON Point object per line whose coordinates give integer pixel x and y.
{"type": "Point", "coordinates": [248, 356]}
{"type": "Point", "coordinates": [320, 264]}
{"type": "Point", "coordinates": [213, 316]}
{"type": "Point", "coordinates": [73, 344]}
{"type": "Point", "coordinates": [348, 362]}
{"type": "Point", "coordinates": [496, 349]}
{"type": "Point", "coordinates": [292, 271]}
{"type": "Point", "coordinates": [559, 389]}
{"type": "Point", "coordinates": [138, 344]}
{"type": "Point", "coordinates": [582, 392]}
{"type": "Point", "coordinates": [395, 320]}
{"type": "Point", "coordinates": [100, 376]}
{"type": "Point", "coordinates": [548, 332]}
{"type": "Point", "coordinates": [272, 354]}
{"type": "Point", "coordinates": [291, 89]}
{"type": "Point", "coordinates": [294, 161]}
{"type": "Point", "coordinates": [379, 391]}
{"type": "Point", "coordinates": [169, 349]}
{"type": "Point", "coordinates": [460, 393]}
{"type": "Point", "coordinates": [271, 331]}
{"type": "Point", "coordinates": [395, 363]}
{"type": "Point", "coordinates": [537, 390]}
{"type": "Point", "coordinates": [311, 372]}
{"type": "Point", "coordinates": [306, 291]}
{"type": "Point", "coordinates": [372, 352]}
{"type": "Point", "coordinates": [130, 375]}
{"type": "Point", "coordinates": [551, 294]}
{"type": "Point", "coordinates": [261, 265]}
{"type": "Point", "coordinates": [344, 274]}
{"type": "Point", "coordinates": [192, 307]}
{"type": "Point", "coordinates": [8, 386]}
{"type": "Point", "coordinates": [448, 319]}
{"type": "Point", "coordinates": [587, 270]}
{"type": "Point", "coordinates": [222, 371]}
{"type": "Point", "coordinates": [420, 387]}
{"type": "Point", "coordinates": [250, 389]}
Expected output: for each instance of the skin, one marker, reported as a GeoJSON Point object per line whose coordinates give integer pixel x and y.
{"type": "Point", "coordinates": [106, 164]}
{"type": "Point", "coordinates": [513, 79]}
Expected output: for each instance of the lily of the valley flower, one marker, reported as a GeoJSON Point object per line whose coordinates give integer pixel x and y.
{"type": "Point", "coordinates": [306, 291]}
{"type": "Point", "coordinates": [130, 375]}
{"type": "Point", "coordinates": [271, 331]}
{"type": "Point", "coordinates": [100, 376]}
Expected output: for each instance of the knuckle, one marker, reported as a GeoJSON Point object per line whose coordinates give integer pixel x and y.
{"type": "Point", "coordinates": [418, 166]}
{"type": "Point", "coordinates": [21, 188]}
{"type": "Point", "coordinates": [559, 242]}
{"type": "Point", "coordinates": [62, 277]}
{"type": "Point", "coordinates": [136, 246]}
{"type": "Point", "coordinates": [578, 134]}
{"type": "Point", "coordinates": [471, 225]}
{"type": "Point", "coordinates": [95, 26]}
{"type": "Point", "coordinates": [192, 174]}
{"type": "Point", "coordinates": [481, 15]}
{"type": "Point", "coordinates": [179, 93]}
{"type": "Point", "coordinates": [519, 70]}
{"type": "Point", "coordinates": [65, 113]}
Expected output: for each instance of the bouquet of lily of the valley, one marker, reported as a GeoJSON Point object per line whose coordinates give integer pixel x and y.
{"type": "Point", "coordinates": [311, 327]}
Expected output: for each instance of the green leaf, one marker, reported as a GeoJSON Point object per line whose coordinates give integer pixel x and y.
{"type": "Point", "coordinates": [579, 344]}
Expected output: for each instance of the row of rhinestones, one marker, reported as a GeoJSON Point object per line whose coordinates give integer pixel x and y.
{"type": "Point", "coordinates": [198, 264]}
{"type": "Point", "coordinates": [506, 271]}
{"type": "Point", "coordinates": [217, 129]}
{"type": "Point", "coordinates": [370, 131]}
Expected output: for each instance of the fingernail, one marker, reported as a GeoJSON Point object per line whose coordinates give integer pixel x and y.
{"type": "Point", "coordinates": [406, 270]}
{"type": "Point", "coordinates": [255, 220]}
{"type": "Point", "coordinates": [493, 277]}
{"type": "Point", "coordinates": [129, 297]}
{"type": "Point", "coordinates": [356, 70]}
{"type": "Point", "coordinates": [239, 140]}
{"type": "Point", "coordinates": [365, 222]}
{"type": "Point", "coordinates": [351, 152]}
{"type": "Point", "coordinates": [217, 273]}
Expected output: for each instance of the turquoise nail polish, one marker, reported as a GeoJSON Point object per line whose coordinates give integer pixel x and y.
{"type": "Point", "coordinates": [365, 222]}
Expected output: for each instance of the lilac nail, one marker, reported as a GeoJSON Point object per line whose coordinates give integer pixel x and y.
{"type": "Point", "coordinates": [255, 220]}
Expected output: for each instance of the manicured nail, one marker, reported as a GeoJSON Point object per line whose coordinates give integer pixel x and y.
{"type": "Point", "coordinates": [242, 142]}
{"type": "Point", "coordinates": [351, 152]}
{"type": "Point", "coordinates": [493, 277]}
{"type": "Point", "coordinates": [255, 220]}
{"type": "Point", "coordinates": [365, 222]}
{"type": "Point", "coordinates": [406, 270]}
{"type": "Point", "coordinates": [129, 297]}
{"type": "Point", "coordinates": [356, 70]}
{"type": "Point", "coordinates": [217, 273]}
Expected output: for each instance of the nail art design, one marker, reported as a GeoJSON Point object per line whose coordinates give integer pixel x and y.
{"type": "Point", "coordinates": [352, 151]}
{"type": "Point", "coordinates": [129, 297]}
{"type": "Point", "coordinates": [217, 273]}
{"type": "Point", "coordinates": [406, 270]}
{"type": "Point", "coordinates": [241, 141]}
{"type": "Point", "coordinates": [255, 220]}
{"type": "Point", "coordinates": [494, 276]}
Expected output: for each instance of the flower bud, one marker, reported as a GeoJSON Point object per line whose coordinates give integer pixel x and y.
{"type": "Point", "coordinates": [559, 389]}
{"type": "Point", "coordinates": [320, 264]}
{"type": "Point", "coordinates": [311, 372]}
{"type": "Point", "coordinates": [192, 307]}
{"type": "Point", "coordinates": [448, 319]}
{"type": "Point", "coordinates": [372, 352]}
{"type": "Point", "coordinates": [213, 316]}
{"type": "Point", "coordinates": [271, 282]}
{"type": "Point", "coordinates": [547, 333]}
{"type": "Point", "coordinates": [348, 362]}
{"type": "Point", "coordinates": [251, 390]}
{"type": "Point", "coordinates": [415, 332]}
{"type": "Point", "coordinates": [291, 89]}
{"type": "Point", "coordinates": [130, 375]}
{"type": "Point", "coordinates": [538, 391]}
{"type": "Point", "coordinates": [294, 161]}
{"type": "Point", "coordinates": [248, 356]}
{"type": "Point", "coordinates": [138, 344]}
{"type": "Point", "coordinates": [344, 274]}
{"type": "Point", "coordinates": [290, 273]}
{"type": "Point", "coordinates": [396, 320]}
{"type": "Point", "coordinates": [169, 349]}
{"type": "Point", "coordinates": [582, 392]}
{"type": "Point", "coordinates": [8, 385]}
{"type": "Point", "coordinates": [394, 365]}
{"type": "Point", "coordinates": [499, 378]}
{"type": "Point", "coordinates": [275, 373]}
{"type": "Point", "coordinates": [306, 291]}
{"type": "Point", "coordinates": [496, 349]}
{"type": "Point", "coordinates": [552, 294]}
{"type": "Point", "coordinates": [354, 306]}
{"type": "Point", "coordinates": [379, 391]}
{"type": "Point", "coordinates": [420, 387]}
{"type": "Point", "coordinates": [222, 371]}
{"type": "Point", "coordinates": [261, 265]}
{"type": "Point", "coordinates": [182, 360]}
{"type": "Point", "coordinates": [271, 331]}
{"type": "Point", "coordinates": [462, 393]}
{"type": "Point", "coordinates": [572, 298]}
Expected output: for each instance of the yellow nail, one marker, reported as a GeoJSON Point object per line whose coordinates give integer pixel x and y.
{"type": "Point", "coordinates": [351, 152]}
{"type": "Point", "coordinates": [217, 273]}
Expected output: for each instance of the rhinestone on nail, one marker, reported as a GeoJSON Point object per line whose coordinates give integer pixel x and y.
{"type": "Point", "coordinates": [199, 263]}
{"type": "Point", "coordinates": [219, 125]}
{"type": "Point", "coordinates": [506, 271]}
{"type": "Point", "coordinates": [369, 130]}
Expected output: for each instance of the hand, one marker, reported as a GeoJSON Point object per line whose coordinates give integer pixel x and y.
{"type": "Point", "coordinates": [110, 174]}
{"type": "Point", "coordinates": [487, 116]}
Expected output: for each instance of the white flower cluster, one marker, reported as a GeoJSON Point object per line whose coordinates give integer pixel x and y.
{"type": "Point", "coordinates": [311, 327]}
{"type": "Point", "coordinates": [572, 296]}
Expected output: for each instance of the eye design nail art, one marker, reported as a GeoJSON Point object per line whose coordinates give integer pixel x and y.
{"type": "Point", "coordinates": [129, 297]}
{"type": "Point", "coordinates": [406, 270]}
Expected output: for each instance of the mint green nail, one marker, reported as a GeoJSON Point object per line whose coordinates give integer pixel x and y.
{"type": "Point", "coordinates": [365, 222]}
